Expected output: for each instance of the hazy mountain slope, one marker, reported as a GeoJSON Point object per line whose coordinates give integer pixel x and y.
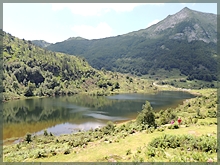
{"type": "Point", "coordinates": [185, 41]}
{"type": "Point", "coordinates": [41, 43]}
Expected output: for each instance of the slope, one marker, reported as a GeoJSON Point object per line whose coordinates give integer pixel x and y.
{"type": "Point", "coordinates": [29, 71]}
{"type": "Point", "coordinates": [185, 41]}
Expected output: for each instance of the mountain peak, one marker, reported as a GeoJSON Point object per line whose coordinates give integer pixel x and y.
{"type": "Point", "coordinates": [188, 24]}
{"type": "Point", "coordinates": [76, 38]}
{"type": "Point", "coordinates": [185, 9]}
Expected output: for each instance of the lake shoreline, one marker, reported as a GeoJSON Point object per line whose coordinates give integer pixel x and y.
{"type": "Point", "coordinates": [160, 88]}
{"type": "Point", "coordinates": [11, 140]}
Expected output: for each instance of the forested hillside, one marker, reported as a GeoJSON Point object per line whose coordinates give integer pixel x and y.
{"type": "Point", "coordinates": [29, 70]}
{"type": "Point", "coordinates": [32, 71]}
{"type": "Point", "coordinates": [184, 41]}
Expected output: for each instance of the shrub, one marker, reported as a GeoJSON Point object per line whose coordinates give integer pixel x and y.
{"type": "Point", "coordinates": [173, 126]}
{"type": "Point", "coordinates": [204, 143]}
{"type": "Point", "coordinates": [67, 151]}
{"type": "Point", "coordinates": [212, 113]}
{"type": "Point", "coordinates": [137, 158]}
{"type": "Point", "coordinates": [128, 152]}
{"type": "Point", "coordinates": [139, 149]}
{"type": "Point", "coordinates": [160, 129]}
{"type": "Point", "coordinates": [45, 133]}
{"type": "Point", "coordinates": [28, 138]}
{"type": "Point", "coordinates": [203, 123]}
{"type": "Point", "coordinates": [41, 154]}
{"type": "Point", "coordinates": [194, 120]}
{"type": "Point", "coordinates": [151, 152]}
{"type": "Point", "coordinates": [109, 128]}
{"type": "Point", "coordinates": [190, 110]}
{"type": "Point", "coordinates": [151, 129]}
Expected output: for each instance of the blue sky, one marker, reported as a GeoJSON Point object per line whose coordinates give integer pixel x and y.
{"type": "Point", "coordinates": [57, 22]}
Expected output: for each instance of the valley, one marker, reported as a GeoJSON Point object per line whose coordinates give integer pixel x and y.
{"type": "Point", "coordinates": [114, 99]}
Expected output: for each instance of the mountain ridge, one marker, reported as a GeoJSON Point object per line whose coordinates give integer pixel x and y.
{"type": "Point", "coordinates": [171, 20]}
{"type": "Point", "coordinates": [41, 43]}
{"type": "Point", "coordinates": [166, 45]}
{"type": "Point", "coordinates": [184, 13]}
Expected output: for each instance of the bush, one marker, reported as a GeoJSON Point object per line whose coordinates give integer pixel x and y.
{"type": "Point", "coordinates": [151, 152]}
{"type": "Point", "coordinates": [41, 154]}
{"type": "Point", "coordinates": [191, 110]}
{"type": "Point", "coordinates": [173, 126]}
{"type": "Point", "coordinates": [212, 113]}
{"type": "Point", "coordinates": [128, 152]}
{"type": "Point", "coordinates": [204, 143]}
{"type": "Point", "coordinates": [109, 128]}
{"type": "Point", "coordinates": [194, 120]}
{"type": "Point", "coordinates": [203, 123]}
{"type": "Point", "coordinates": [160, 129]}
{"type": "Point", "coordinates": [139, 150]}
{"type": "Point", "coordinates": [150, 130]}
{"type": "Point", "coordinates": [45, 133]}
{"type": "Point", "coordinates": [67, 151]}
{"type": "Point", "coordinates": [28, 138]}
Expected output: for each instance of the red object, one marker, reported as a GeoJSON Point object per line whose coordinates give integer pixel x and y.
{"type": "Point", "coordinates": [179, 120]}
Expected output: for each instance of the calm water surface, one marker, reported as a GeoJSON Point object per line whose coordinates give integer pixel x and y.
{"type": "Point", "coordinates": [64, 115]}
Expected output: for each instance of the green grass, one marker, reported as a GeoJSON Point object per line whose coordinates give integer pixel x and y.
{"type": "Point", "coordinates": [97, 151]}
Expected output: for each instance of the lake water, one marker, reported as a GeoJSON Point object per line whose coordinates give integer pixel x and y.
{"type": "Point", "coordinates": [68, 114]}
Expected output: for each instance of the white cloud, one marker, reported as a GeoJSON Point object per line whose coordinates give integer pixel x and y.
{"type": "Point", "coordinates": [153, 22]}
{"type": "Point", "coordinates": [102, 30]}
{"type": "Point", "coordinates": [89, 9]}
{"type": "Point", "coordinates": [33, 35]}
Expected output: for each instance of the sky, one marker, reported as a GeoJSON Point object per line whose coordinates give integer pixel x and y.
{"type": "Point", "coordinates": [56, 22]}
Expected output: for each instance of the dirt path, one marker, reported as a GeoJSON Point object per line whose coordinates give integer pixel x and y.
{"type": "Point", "coordinates": [169, 86]}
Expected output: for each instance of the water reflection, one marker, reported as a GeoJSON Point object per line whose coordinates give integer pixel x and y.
{"type": "Point", "coordinates": [68, 128]}
{"type": "Point", "coordinates": [64, 114]}
{"type": "Point", "coordinates": [105, 117]}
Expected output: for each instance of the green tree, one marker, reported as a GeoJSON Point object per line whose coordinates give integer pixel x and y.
{"type": "Point", "coordinates": [146, 116]}
{"type": "Point", "coordinates": [29, 90]}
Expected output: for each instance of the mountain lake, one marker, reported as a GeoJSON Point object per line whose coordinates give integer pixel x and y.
{"type": "Point", "coordinates": [69, 114]}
